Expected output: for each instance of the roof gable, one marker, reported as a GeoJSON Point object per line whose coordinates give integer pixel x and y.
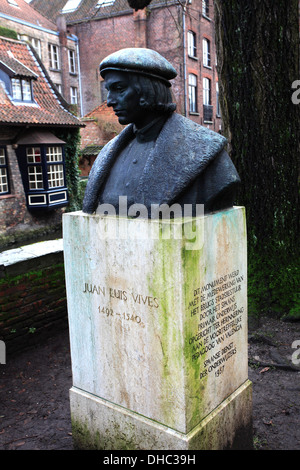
{"type": "Point", "coordinates": [14, 67]}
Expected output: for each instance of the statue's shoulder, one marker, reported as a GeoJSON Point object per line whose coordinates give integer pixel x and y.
{"type": "Point", "coordinates": [192, 136]}
{"type": "Point", "coordinates": [197, 130]}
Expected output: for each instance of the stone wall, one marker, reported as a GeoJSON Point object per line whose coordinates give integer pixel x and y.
{"type": "Point", "coordinates": [33, 301]}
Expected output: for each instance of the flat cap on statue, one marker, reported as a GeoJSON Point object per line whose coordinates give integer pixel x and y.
{"type": "Point", "coordinates": [139, 60]}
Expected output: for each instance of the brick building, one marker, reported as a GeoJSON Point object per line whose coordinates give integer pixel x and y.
{"type": "Point", "coordinates": [57, 49]}
{"type": "Point", "coordinates": [33, 185]}
{"type": "Point", "coordinates": [183, 33]}
{"type": "Point", "coordinates": [101, 125]}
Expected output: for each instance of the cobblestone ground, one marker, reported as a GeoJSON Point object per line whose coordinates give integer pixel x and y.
{"type": "Point", "coordinates": [34, 392]}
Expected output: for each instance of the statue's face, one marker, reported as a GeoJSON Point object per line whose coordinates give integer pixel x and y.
{"type": "Point", "coordinates": [123, 98]}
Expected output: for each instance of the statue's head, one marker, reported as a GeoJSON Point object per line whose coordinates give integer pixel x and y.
{"type": "Point", "coordinates": [138, 85]}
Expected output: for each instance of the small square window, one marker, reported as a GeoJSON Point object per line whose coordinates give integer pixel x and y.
{"type": "Point", "coordinates": [33, 155]}
{"type": "Point", "coordinates": [35, 177]}
{"type": "Point", "coordinates": [54, 154]}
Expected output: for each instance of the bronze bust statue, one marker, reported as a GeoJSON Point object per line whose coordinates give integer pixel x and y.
{"type": "Point", "coordinates": [160, 157]}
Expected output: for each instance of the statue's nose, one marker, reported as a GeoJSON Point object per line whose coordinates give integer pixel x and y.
{"type": "Point", "coordinates": [111, 100]}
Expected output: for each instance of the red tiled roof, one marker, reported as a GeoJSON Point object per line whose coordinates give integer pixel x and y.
{"type": "Point", "coordinates": [13, 67]}
{"type": "Point", "coordinates": [88, 10]}
{"type": "Point", "coordinates": [48, 109]}
{"type": "Point", "coordinates": [26, 12]}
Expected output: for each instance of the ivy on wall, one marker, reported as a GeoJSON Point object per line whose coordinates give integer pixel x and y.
{"type": "Point", "coordinates": [8, 33]}
{"type": "Point", "coordinates": [72, 147]}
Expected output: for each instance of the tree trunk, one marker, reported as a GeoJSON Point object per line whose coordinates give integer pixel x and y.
{"type": "Point", "coordinates": [258, 60]}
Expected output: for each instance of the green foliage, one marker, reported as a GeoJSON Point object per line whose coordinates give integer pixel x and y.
{"type": "Point", "coordinates": [9, 281]}
{"type": "Point", "coordinates": [82, 185]}
{"type": "Point", "coordinates": [8, 33]}
{"type": "Point", "coordinates": [72, 148]}
{"type": "Point", "coordinates": [273, 285]}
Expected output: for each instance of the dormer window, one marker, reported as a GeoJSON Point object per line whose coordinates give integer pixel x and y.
{"type": "Point", "coordinates": [70, 6]}
{"type": "Point", "coordinates": [21, 89]}
{"type": "Point", "coordinates": [17, 79]}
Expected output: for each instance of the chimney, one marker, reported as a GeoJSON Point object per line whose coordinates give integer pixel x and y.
{"type": "Point", "coordinates": [140, 28]}
{"type": "Point", "coordinates": [65, 82]}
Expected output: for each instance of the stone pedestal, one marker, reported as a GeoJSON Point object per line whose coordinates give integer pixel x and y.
{"type": "Point", "coordinates": [158, 332]}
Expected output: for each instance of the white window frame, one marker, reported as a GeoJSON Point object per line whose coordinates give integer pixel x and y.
{"type": "Point", "coordinates": [34, 168]}
{"type": "Point", "coordinates": [36, 44]}
{"type": "Point", "coordinates": [205, 8]}
{"type": "Point", "coordinates": [206, 91]}
{"type": "Point", "coordinates": [72, 61]}
{"type": "Point", "coordinates": [53, 54]}
{"type": "Point", "coordinates": [4, 181]}
{"type": "Point", "coordinates": [59, 88]}
{"type": "Point", "coordinates": [16, 89]}
{"type": "Point", "coordinates": [21, 89]}
{"type": "Point", "coordinates": [217, 100]}
{"type": "Point", "coordinates": [206, 52]}
{"type": "Point", "coordinates": [193, 102]}
{"type": "Point", "coordinates": [73, 95]}
{"type": "Point", "coordinates": [55, 170]}
{"type": "Point", "coordinates": [192, 48]}
{"type": "Point", "coordinates": [54, 165]}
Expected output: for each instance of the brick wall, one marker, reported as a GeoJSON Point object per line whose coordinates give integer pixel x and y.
{"type": "Point", "coordinates": [33, 302]}
{"type": "Point", "coordinates": [13, 206]}
{"type": "Point", "coordinates": [203, 27]}
{"type": "Point", "coordinates": [161, 29]}
{"type": "Point", "coordinates": [165, 35]}
{"type": "Point", "coordinates": [97, 39]}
